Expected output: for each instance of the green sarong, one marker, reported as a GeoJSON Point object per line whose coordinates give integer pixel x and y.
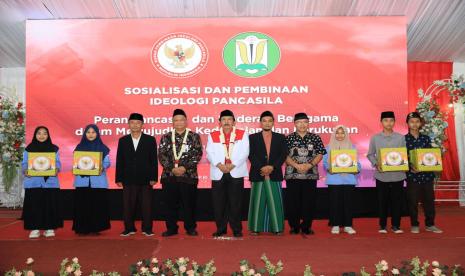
{"type": "Point", "coordinates": [266, 212]}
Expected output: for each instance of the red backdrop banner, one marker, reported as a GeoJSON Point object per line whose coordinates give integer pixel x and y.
{"type": "Point", "coordinates": [340, 70]}
{"type": "Point", "coordinates": [422, 75]}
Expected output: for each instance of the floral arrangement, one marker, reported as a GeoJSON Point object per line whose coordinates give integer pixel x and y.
{"type": "Point", "coordinates": [179, 267]}
{"type": "Point", "coordinates": [184, 267]}
{"type": "Point", "coordinates": [416, 268]}
{"type": "Point", "coordinates": [455, 87]}
{"type": "Point", "coordinates": [97, 273]}
{"type": "Point", "coordinates": [247, 269]}
{"type": "Point", "coordinates": [72, 267]}
{"type": "Point", "coordinates": [429, 109]}
{"type": "Point", "coordinates": [12, 133]}
{"type": "Point", "coordinates": [24, 272]}
{"type": "Point", "coordinates": [308, 271]}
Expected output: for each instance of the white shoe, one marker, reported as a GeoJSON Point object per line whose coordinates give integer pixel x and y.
{"type": "Point", "coordinates": [349, 230]}
{"type": "Point", "coordinates": [49, 233]}
{"type": "Point", "coordinates": [433, 229]}
{"type": "Point", "coordinates": [34, 234]}
{"type": "Point", "coordinates": [335, 230]}
{"type": "Point", "coordinates": [382, 231]}
{"type": "Point", "coordinates": [396, 230]}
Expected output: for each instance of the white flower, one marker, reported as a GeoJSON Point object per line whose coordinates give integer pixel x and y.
{"type": "Point", "coordinates": [435, 263]}
{"type": "Point", "coordinates": [143, 269]}
{"type": "Point", "coordinates": [182, 260]}
{"type": "Point", "coordinates": [18, 273]}
{"type": "Point", "coordinates": [154, 260]}
{"type": "Point", "coordinates": [384, 265]}
{"type": "Point", "coordinates": [251, 271]}
{"type": "Point", "coordinates": [258, 274]}
{"type": "Point", "coordinates": [182, 268]}
{"type": "Point", "coordinates": [155, 270]}
{"type": "Point", "coordinates": [139, 263]}
{"type": "Point", "coordinates": [75, 260]}
{"type": "Point", "coordinates": [243, 268]}
{"type": "Point", "coordinates": [395, 271]}
{"type": "Point", "coordinates": [190, 272]}
{"type": "Point", "coordinates": [29, 261]}
{"type": "Point", "coordinates": [437, 272]}
{"type": "Point", "coordinates": [77, 272]}
{"type": "Point", "coordinates": [69, 269]}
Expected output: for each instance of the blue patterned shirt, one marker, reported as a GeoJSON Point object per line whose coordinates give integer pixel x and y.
{"type": "Point", "coordinates": [422, 142]}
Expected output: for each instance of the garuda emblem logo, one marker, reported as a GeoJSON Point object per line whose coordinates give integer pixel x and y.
{"type": "Point", "coordinates": [179, 55]}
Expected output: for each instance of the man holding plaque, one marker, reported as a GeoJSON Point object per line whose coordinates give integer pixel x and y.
{"type": "Point", "coordinates": [179, 153]}
{"type": "Point", "coordinates": [227, 152]}
{"type": "Point", "coordinates": [420, 186]}
{"type": "Point", "coordinates": [389, 185]}
{"type": "Point", "coordinates": [137, 172]}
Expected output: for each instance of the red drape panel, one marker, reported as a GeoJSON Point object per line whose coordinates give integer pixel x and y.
{"type": "Point", "coordinates": [422, 75]}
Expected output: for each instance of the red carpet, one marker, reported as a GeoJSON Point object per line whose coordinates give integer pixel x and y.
{"type": "Point", "coordinates": [327, 254]}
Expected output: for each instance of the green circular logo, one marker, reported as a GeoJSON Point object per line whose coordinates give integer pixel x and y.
{"type": "Point", "coordinates": [251, 54]}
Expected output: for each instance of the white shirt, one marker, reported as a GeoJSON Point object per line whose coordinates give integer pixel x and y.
{"type": "Point", "coordinates": [240, 154]}
{"type": "Point", "coordinates": [135, 141]}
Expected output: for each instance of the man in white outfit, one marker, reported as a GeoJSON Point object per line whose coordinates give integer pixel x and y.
{"type": "Point", "coordinates": [227, 152]}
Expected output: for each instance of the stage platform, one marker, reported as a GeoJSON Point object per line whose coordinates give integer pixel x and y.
{"type": "Point", "coordinates": [327, 254]}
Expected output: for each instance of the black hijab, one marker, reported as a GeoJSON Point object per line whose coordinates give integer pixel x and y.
{"type": "Point", "coordinates": [95, 145]}
{"type": "Point", "coordinates": [46, 146]}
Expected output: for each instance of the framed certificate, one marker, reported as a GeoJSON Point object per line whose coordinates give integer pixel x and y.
{"type": "Point", "coordinates": [87, 163]}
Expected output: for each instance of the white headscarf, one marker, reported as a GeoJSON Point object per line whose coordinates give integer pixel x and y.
{"type": "Point", "coordinates": [344, 144]}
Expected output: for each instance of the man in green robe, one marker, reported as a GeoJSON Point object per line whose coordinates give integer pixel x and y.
{"type": "Point", "coordinates": [268, 152]}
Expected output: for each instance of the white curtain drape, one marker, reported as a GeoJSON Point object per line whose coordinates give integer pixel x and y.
{"type": "Point", "coordinates": [459, 113]}
{"type": "Point", "coordinates": [434, 31]}
{"type": "Point", "coordinates": [14, 79]}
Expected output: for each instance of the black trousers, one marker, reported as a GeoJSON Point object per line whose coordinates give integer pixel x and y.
{"type": "Point", "coordinates": [340, 205]}
{"type": "Point", "coordinates": [179, 195]}
{"type": "Point", "coordinates": [389, 197]}
{"type": "Point", "coordinates": [132, 194]}
{"type": "Point", "coordinates": [424, 193]}
{"type": "Point", "coordinates": [227, 196]}
{"type": "Point", "coordinates": [300, 202]}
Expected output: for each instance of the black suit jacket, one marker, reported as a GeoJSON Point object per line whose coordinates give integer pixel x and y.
{"type": "Point", "coordinates": [258, 157]}
{"type": "Point", "coordinates": [137, 167]}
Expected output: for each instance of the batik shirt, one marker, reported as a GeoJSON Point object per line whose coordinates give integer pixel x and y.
{"type": "Point", "coordinates": [303, 150]}
{"type": "Point", "coordinates": [189, 158]}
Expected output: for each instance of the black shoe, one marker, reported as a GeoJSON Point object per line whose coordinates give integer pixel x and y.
{"type": "Point", "coordinates": [219, 234]}
{"type": "Point", "coordinates": [294, 231]}
{"type": "Point", "coordinates": [148, 233]}
{"type": "Point", "coordinates": [127, 233]}
{"type": "Point", "coordinates": [237, 234]}
{"type": "Point", "coordinates": [169, 233]}
{"type": "Point", "coordinates": [308, 232]}
{"type": "Point", "coordinates": [192, 233]}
